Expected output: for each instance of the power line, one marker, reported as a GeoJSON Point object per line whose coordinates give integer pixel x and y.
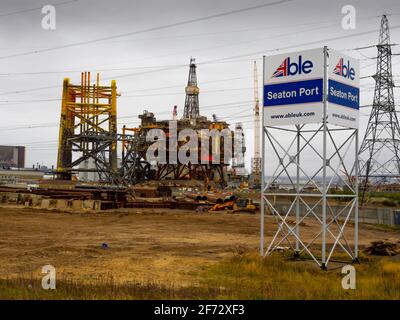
{"type": "Point", "coordinates": [13, 102]}
{"type": "Point", "coordinates": [309, 43]}
{"type": "Point", "coordinates": [167, 66]}
{"type": "Point", "coordinates": [118, 77]}
{"type": "Point", "coordinates": [167, 26]}
{"type": "Point", "coordinates": [240, 43]}
{"type": "Point", "coordinates": [182, 85]}
{"type": "Point", "coordinates": [79, 71]}
{"type": "Point", "coordinates": [260, 52]}
{"type": "Point", "coordinates": [191, 35]}
{"type": "Point", "coordinates": [219, 60]}
{"type": "Point", "coordinates": [178, 93]}
{"type": "Point", "coordinates": [36, 8]}
{"type": "Point", "coordinates": [235, 104]}
{"type": "Point", "coordinates": [115, 69]}
{"type": "Point", "coordinates": [226, 58]}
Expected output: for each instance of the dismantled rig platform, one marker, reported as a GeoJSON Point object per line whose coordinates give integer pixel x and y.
{"type": "Point", "coordinates": [208, 169]}
{"type": "Point", "coordinates": [88, 131]}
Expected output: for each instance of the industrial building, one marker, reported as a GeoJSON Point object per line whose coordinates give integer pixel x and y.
{"type": "Point", "coordinates": [20, 176]}
{"type": "Point", "coordinates": [12, 157]}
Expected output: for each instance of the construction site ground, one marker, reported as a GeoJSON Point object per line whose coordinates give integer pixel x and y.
{"type": "Point", "coordinates": [158, 245]}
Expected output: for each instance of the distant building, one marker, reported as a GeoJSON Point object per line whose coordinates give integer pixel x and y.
{"type": "Point", "coordinates": [20, 176]}
{"type": "Point", "coordinates": [12, 157]}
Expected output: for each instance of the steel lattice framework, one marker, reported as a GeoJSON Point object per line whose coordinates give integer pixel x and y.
{"type": "Point", "coordinates": [134, 167]}
{"type": "Point", "coordinates": [192, 110]}
{"type": "Point", "coordinates": [88, 128]}
{"type": "Point", "coordinates": [309, 194]}
{"type": "Point", "coordinates": [302, 166]}
{"type": "Point", "coordinates": [379, 151]}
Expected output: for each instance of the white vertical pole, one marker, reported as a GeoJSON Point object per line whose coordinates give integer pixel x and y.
{"type": "Point", "coordinates": [262, 169]}
{"type": "Point", "coordinates": [297, 192]}
{"type": "Point", "coordinates": [325, 80]}
{"type": "Point", "coordinates": [356, 200]}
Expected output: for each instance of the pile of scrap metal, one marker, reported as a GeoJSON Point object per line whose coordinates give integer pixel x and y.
{"type": "Point", "coordinates": [383, 248]}
{"type": "Point", "coordinates": [220, 202]}
{"type": "Point", "coordinates": [109, 197]}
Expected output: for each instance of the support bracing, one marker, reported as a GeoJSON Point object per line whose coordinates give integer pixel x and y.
{"type": "Point", "coordinates": [88, 127]}
{"type": "Point", "coordinates": [308, 201]}
{"type": "Point", "coordinates": [296, 195]}
{"type": "Point", "coordinates": [134, 167]}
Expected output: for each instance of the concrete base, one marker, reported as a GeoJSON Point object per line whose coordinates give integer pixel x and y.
{"type": "Point", "coordinates": [62, 204]}
{"type": "Point", "coordinates": [88, 204]}
{"type": "Point", "coordinates": [45, 204]}
{"type": "Point", "coordinates": [77, 204]}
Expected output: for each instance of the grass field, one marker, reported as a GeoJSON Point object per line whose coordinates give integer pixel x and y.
{"type": "Point", "coordinates": [170, 254]}
{"type": "Point", "coordinates": [243, 276]}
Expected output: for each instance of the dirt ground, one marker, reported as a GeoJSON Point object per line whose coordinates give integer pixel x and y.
{"type": "Point", "coordinates": [157, 245]}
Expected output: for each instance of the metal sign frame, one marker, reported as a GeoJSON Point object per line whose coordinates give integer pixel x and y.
{"type": "Point", "coordinates": [338, 154]}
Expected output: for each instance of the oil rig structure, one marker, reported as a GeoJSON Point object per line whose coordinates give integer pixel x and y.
{"type": "Point", "coordinates": [88, 128]}
{"type": "Point", "coordinates": [88, 132]}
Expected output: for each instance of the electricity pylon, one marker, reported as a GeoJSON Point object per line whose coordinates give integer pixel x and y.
{"type": "Point", "coordinates": [379, 151]}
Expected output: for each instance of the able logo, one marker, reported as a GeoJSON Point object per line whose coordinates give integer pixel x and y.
{"type": "Point", "coordinates": [344, 70]}
{"type": "Point", "coordinates": [289, 68]}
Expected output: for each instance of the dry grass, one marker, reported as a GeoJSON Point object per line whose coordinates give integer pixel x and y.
{"type": "Point", "coordinates": [278, 277]}
{"type": "Point", "coordinates": [243, 276]}
{"type": "Point", "coordinates": [170, 255]}
{"type": "Point", "coordinates": [23, 288]}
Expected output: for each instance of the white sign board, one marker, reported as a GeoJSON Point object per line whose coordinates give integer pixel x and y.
{"type": "Point", "coordinates": [293, 88]}
{"type": "Point", "coordinates": [343, 90]}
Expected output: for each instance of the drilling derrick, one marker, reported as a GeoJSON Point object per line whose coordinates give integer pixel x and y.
{"type": "Point", "coordinates": [209, 162]}
{"type": "Point", "coordinates": [88, 128]}
{"type": "Point", "coordinates": [191, 110]}
{"type": "Point", "coordinates": [256, 160]}
{"type": "Point", "coordinates": [379, 151]}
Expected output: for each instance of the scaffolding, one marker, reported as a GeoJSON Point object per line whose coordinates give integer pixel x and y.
{"type": "Point", "coordinates": [88, 128]}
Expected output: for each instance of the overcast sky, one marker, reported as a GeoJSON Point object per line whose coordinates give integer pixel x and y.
{"type": "Point", "coordinates": [151, 61]}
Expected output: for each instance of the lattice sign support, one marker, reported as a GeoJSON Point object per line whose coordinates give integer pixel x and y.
{"type": "Point", "coordinates": [309, 198]}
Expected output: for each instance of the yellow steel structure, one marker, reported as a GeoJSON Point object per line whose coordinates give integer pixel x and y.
{"type": "Point", "coordinates": [88, 127]}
